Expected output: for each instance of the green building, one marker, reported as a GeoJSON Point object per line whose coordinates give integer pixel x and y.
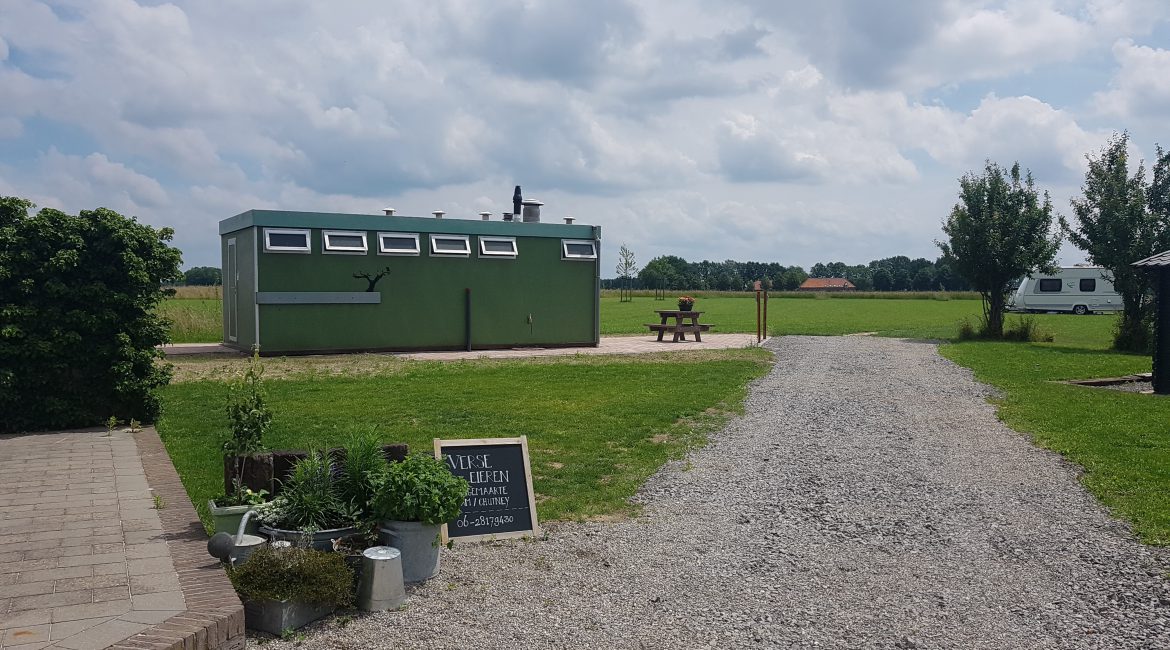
{"type": "Point", "coordinates": [308, 282]}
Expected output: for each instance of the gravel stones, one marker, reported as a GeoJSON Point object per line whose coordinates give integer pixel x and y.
{"type": "Point", "coordinates": [868, 498]}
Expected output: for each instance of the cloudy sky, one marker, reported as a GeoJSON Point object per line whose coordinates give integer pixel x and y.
{"type": "Point", "coordinates": [794, 132]}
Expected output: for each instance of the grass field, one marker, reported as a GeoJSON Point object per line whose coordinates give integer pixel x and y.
{"type": "Point", "coordinates": [618, 406]}
{"type": "Point", "coordinates": [197, 317]}
{"type": "Point", "coordinates": [597, 426]}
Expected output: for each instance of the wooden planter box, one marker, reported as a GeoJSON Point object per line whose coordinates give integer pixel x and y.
{"type": "Point", "coordinates": [266, 471]}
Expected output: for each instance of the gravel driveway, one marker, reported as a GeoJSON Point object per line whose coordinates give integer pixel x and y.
{"type": "Point", "coordinates": [869, 498]}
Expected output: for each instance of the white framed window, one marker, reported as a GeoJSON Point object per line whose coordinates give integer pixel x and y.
{"type": "Point", "coordinates": [344, 241]}
{"type": "Point", "coordinates": [398, 243]}
{"type": "Point", "coordinates": [287, 240]}
{"type": "Point", "coordinates": [451, 245]}
{"type": "Point", "coordinates": [578, 249]}
{"type": "Point", "coordinates": [497, 247]}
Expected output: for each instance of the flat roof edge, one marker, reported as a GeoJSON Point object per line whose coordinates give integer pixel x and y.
{"type": "Point", "coordinates": [374, 222]}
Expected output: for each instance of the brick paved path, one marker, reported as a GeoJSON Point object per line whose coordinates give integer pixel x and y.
{"type": "Point", "coordinates": [88, 561]}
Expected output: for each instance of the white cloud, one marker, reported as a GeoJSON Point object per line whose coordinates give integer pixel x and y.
{"type": "Point", "coordinates": [795, 132]}
{"type": "Point", "coordinates": [1141, 86]}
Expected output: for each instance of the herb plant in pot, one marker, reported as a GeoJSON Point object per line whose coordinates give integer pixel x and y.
{"type": "Point", "coordinates": [309, 510]}
{"type": "Point", "coordinates": [286, 588]}
{"type": "Point", "coordinates": [250, 417]}
{"type": "Point", "coordinates": [417, 496]}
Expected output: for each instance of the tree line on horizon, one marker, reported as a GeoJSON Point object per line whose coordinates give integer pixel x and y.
{"type": "Point", "coordinates": [897, 273]}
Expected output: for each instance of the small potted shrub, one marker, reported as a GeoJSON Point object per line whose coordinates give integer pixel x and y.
{"type": "Point", "coordinates": [413, 500]}
{"type": "Point", "coordinates": [250, 417]}
{"type": "Point", "coordinates": [309, 510]}
{"type": "Point", "coordinates": [686, 303]}
{"type": "Point", "coordinates": [286, 588]}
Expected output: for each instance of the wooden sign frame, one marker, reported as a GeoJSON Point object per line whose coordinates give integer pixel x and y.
{"type": "Point", "coordinates": [534, 527]}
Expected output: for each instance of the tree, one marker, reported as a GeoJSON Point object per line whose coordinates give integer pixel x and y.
{"type": "Point", "coordinates": [669, 269]}
{"type": "Point", "coordinates": [999, 231]}
{"type": "Point", "coordinates": [78, 319]}
{"type": "Point", "coordinates": [203, 276]}
{"type": "Point", "coordinates": [1121, 220]}
{"type": "Point", "coordinates": [883, 280]}
{"type": "Point", "coordinates": [626, 267]}
{"type": "Point", "coordinates": [924, 279]}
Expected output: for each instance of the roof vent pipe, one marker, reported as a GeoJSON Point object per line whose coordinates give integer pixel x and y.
{"type": "Point", "coordinates": [569, 220]}
{"type": "Point", "coordinates": [438, 214]}
{"type": "Point", "coordinates": [389, 211]}
{"type": "Point", "coordinates": [507, 216]}
{"type": "Point", "coordinates": [531, 211]}
{"type": "Point", "coordinates": [485, 216]}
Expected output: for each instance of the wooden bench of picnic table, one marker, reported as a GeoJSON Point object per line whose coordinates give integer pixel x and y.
{"type": "Point", "coordinates": [678, 327]}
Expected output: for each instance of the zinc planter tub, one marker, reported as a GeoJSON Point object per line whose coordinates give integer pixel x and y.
{"type": "Point", "coordinates": [321, 540]}
{"type": "Point", "coordinates": [274, 617]}
{"type": "Point", "coordinates": [226, 519]}
{"type": "Point", "coordinates": [419, 544]}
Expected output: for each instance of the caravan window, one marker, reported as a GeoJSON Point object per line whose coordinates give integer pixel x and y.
{"type": "Point", "coordinates": [1088, 285]}
{"type": "Point", "coordinates": [1049, 285]}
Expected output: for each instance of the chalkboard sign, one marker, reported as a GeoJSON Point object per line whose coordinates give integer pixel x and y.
{"type": "Point", "coordinates": [501, 503]}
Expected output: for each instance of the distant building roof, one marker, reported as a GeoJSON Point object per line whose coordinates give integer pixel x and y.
{"type": "Point", "coordinates": [814, 284]}
{"type": "Point", "coordinates": [1161, 259]}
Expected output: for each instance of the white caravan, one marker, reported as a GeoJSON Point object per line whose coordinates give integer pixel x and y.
{"type": "Point", "coordinates": [1076, 289]}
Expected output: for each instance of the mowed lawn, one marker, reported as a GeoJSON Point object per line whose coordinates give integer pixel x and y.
{"type": "Point", "coordinates": [196, 319]}
{"type": "Point", "coordinates": [594, 423]}
{"type": "Point", "coordinates": [597, 426]}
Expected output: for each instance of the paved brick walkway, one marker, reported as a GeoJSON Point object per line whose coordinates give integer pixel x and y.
{"type": "Point", "coordinates": [90, 559]}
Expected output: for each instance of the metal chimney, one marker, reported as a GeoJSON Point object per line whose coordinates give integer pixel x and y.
{"type": "Point", "coordinates": [389, 211]}
{"type": "Point", "coordinates": [438, 214]}
{"type": "Point", "coordinates": [569, 220]}
{"type": "Point", "coordinates": [485, 216]}
{"type": "Point", "coordinates": [517, 200]}
{"type": "Point", "coordinates": [508, 216]}
{"type": "Point", "coordinates": [531, 211]}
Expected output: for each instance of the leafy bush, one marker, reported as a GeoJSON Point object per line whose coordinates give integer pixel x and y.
{"type": "Point", "coordinates": [300, 574]}
{"type": "Point", "coordinates": [420, 488]}
{"type": "Point", "coordinates": [1027, 330]}
{"type": "Point", "coordinates": [78, 316]}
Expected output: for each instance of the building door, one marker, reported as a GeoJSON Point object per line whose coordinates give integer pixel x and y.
{"type": "Point", "coordinates": [231, 286]}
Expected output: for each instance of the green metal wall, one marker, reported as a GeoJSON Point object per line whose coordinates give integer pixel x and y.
{"type": "Point", "coordinates": [535, 299]}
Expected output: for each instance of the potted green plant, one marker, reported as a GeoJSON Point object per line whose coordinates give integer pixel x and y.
{"type": "Point", "coordinates": [309, 509]}
{"type": "Point", "coordinates": [414, 499]}
{"type": "Point", "coordinates": [287, 588]}
{"type": "Point", "coordinates": [249, 417]}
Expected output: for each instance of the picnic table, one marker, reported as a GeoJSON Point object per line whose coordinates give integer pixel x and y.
{"type": "Point", "coordinates": [677, 326]}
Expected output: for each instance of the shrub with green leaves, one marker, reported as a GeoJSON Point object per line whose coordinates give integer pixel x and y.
{"type": "Point", "coordinates": [78, 316]}
{"type": "Point", "coordinates": [420, 488]}
{"type": "Point", "coordinates": [300, 574]}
